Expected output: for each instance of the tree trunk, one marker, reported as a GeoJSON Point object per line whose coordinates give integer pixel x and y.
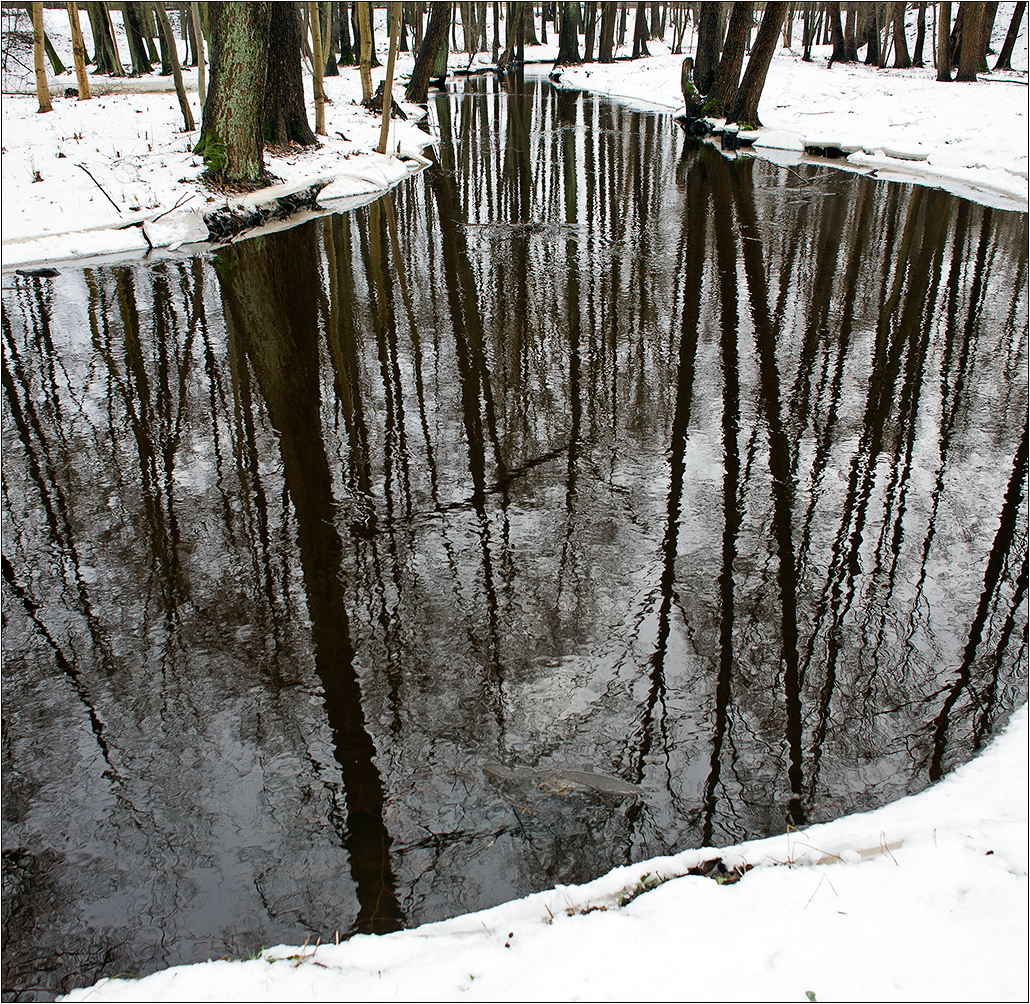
{"type": "Point", "coordinates": [1005, 57]}
{"type": "Point", "coordinates": [568, 35]}
{"type": "Point", "coordinates": [284, 115]}
{"type": "Point", "coordinates": [640, 31]}
{"type": "Point", "coordinates": [435, 36]}
{"type": "Point", "coordinates": [902, 60]}
{"type": "Point", "coordinates": [851, 34]}
{"type": "Point", "coordinates": [188, 125]}
{"type": "Point", "coordinates": [606, 45]}
{"type": "Point", "coordinates": [395, 18]}
{"type": "Point", "coordinates": [737, 35]}
{"type": "Point", "coordinates": [589, 32]}
{"type": "Point", "coordinates": [706, 64]}
{"type": "Point", "coordinates": [42, 87]}
{"type": "Point", "coordinates": [201, 65]}
{"type": "Point", "coordinates": [317, 66]}
{"type": "Point", "coordinates": [971, 44]}
{"type": "Point", "coordinates": [944, 42]}
{"type": "Point", "coordinates": [78, 51]}
{"type": "Point", "coordinates": [232, 137]}
{"type": "Point", "coordinates": [134, 36]}
{"type": "Point", "coordinates": [365, 49]}
{"type": "Point", "coordinates": [840, 49]}
{"type": "Point", "coordinates": [346, 47]}
{"type": "Point", "coordinates": [872, 35]}
{"type": "Point", "coordinates": [990, 13]}
{"type": "Point", "coordinates": [745, 104]}
{"type": "Point", "coordinates": [917, 55]}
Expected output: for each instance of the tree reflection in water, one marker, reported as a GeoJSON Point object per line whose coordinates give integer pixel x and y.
{"type": "Point", "coordinates": [587, 448]}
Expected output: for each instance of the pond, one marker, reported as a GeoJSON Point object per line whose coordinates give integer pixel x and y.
{"type": "Point", "coordinates": [593, 496]}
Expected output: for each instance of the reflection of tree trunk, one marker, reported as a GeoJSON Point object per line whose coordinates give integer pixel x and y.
{"type": "Point", "coordinates": [270, 307]}
{"type": "Point", "coordinates": [997, 561]}
{"type": "Point", "coordinates": [783, 492]}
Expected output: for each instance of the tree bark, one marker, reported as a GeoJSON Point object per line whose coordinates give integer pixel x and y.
{"type": "Point", "coordinates": [435, 36]}
{"type": "Point", "coordinates": [317, 67]}
{"type": "Point", "coordinates": [1005, 56]}
{"type": "Point", "coordinates": [134, 35]}
{"type": "Point", "coordinates": [944, 42]}
{"type": "Point", "coordinates": [840, 49]}
{"type": "Point", "coordinates": [365, 41]}
{"type": "Point", "coordinates": [395, 18]}
{"type": "Point", "coordinates": [188, 125]}
{"type": "Point", "coordinates": [706, 63]}
{"type": "Point", "coordinates": [42, 87]}
{"type": "Point", "coordinates": [640, 31]}
{"type": "Point", "coordinates": [201, 64]}
{"type": "Point", "coordinates": [284, 114]}
{"type": "Point", "coordinates": [902, 60]}
{"type": "Point", "coordinates": [917, 55]}
{"type": "Point", "coordinates": [606, 44]}
{"type": "Point", "coordinates": [971, 43]}
{"type": "Point", "coordinates": [737, 35]}
{"type": "Point", "coordinates": [78, 51]}
{"type": "Point", "coordinates": [568, 35]}
{"type": "Point", "coordinates": [745, 104]}
{"type": "Point", "coordinates": [232, 137]}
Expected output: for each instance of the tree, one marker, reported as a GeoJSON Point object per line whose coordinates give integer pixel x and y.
{"type": "Point", "coordinates": [706, 64]}
{"type": "Point", "coordinates": [42, 87]}
{"type": "Point", "coordinates": [232, 136]}
{"type": "Point", "coordinates": [744, 107]}
{"type": "Point", "coordinates": [435, 36]}
{"type": "Point", "coordinates": [167, 34]}
{"type": "Point", "coordinates": [902, 60]}
{"type": "Point", "coordinates": [737, 35]}
{"type": "Point", "coordinates": [285, 111]}
{"type": "Point", "coordinates": [606, 43]}
{"type": "Point", "coordinates": [1005, 56]}
{"type": "Point", "coordinates": [78, 51]}
{"type": "Point", "coordinates": [971, 45]}
{"type": "Point", "coordinates": [840, 49]}
{"type": "Point", "coordinates": [944, 42]}
{"type": "Point", "coordinates": [640, 32]}
{"type": "Point", "coordinates": [568, 35]}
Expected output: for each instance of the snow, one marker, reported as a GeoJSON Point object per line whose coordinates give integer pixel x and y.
{"type": "Point", "coordinates": [923, 899]}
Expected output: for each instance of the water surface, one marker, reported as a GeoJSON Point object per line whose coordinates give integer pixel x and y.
{"type": "Point", "coordinates": [588, 450]}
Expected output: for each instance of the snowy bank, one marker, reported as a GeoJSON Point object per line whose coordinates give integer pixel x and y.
{"type": "Point", "coordinates": [970, 139]}
{"type": "Point", "coordinates": [923, 899]}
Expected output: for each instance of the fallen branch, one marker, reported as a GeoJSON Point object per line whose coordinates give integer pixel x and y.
{"type": "Point", "coordinates": [101, 187]}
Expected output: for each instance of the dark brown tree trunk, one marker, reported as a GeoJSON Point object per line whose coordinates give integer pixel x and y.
{"type": "Point", "coordinates": [806, 42]}
{"type": "Point", "coordinates": [872, 36]}
{"type": "Point", "coordinates": [285, 109]}
{"type": "Point", "coordinates": [917, 55]}
{"type": "Point", "coordinates": [990, 13]}
{"type": "Point", "coordinates": [568, 36]}
{"type": "Point", "coordinates": [436, 35]}
{"type": "Point", "coordinates": [606, 45]}
{"type": "Point", "coordinates": [706, 64]}
{"type": "Point", "coordinates": [944, 42]}
{"type": "Point", "coordinates": [347, 56]}
{"type": "Point", "coordinates": [902, 60]}
{"type": "Point", "coordinates": [232, 137]}
{"type": "Point", "coordinates": [971, 45]}
{"type": "Point", "coordinates": [851, 33]}
{"type": "Point", "coordinates": [640, 31]}
{"type": "Point", "coordinates": [134, 35]}
{"type": "Point", "coordinates": [840, 50]}
{"type": "Point", "coordinates": [737, 34]}
{"type": "Point", "coordinates": [744, 107]}
{"type": "Point", "coordinates": [1005, 57]}
{"type": "Point", "coordinates": [589, 32]}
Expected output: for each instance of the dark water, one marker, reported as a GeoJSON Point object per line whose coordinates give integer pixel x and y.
{"type": "Point", "coordinates": [711, 478]}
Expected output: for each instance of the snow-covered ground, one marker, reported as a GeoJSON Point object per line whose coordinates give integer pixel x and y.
{"type": "Point", "coordinates": [924, 899]}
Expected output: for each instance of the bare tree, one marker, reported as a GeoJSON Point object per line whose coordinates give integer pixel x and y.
{"type": "Point", "coordinates": [745, 103]}
{"type": "Point", "coordinates": [78, 51]}
{"type": "Point", "coordinates": [435, 36]}
{"type": "Point", "coordinates": [42, 87]}
{"type": "Point", "coordinates": [1005, 56]}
